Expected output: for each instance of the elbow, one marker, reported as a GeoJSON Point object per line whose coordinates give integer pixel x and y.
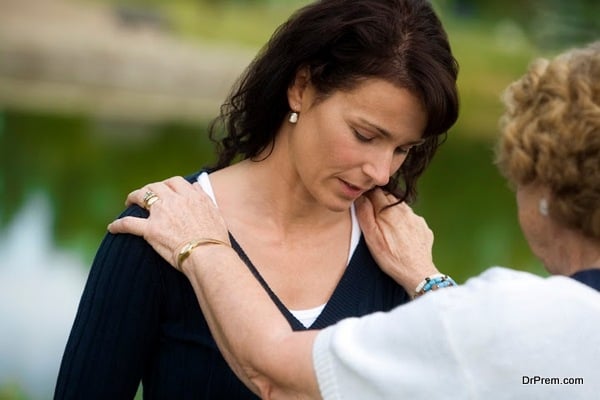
{"type": "Point", "coordinates": [268, 380]}
{"type": "Point", "coordinates": [270, 390]}
{"type": "Point", "coordinates": [281, 369]}
{"type": "Point", "coordinates": [261, 384]}
{"type": "Point", "coordinates": [265, 391]}
{"type": "Point", "coordinates": [284, 371]}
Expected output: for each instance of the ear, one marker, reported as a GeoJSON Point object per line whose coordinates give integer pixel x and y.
{"type": "Point", "coordinates": [297, 91]}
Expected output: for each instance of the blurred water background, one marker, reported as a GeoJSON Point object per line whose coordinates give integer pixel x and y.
{"type": "Point", "coordinates": [99, 97]}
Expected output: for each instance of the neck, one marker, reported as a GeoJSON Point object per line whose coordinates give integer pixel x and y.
{"type": "Point", "coordinates": [284, 194]}
{"type": "Point", "coordinates": [276, 195]}
{"type": "Point", "coordinates": [583, 253]}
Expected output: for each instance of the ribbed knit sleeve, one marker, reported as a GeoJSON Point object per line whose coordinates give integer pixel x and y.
{"type": "Point", "coordinates": [325, 366]}
{"type": "Point", "coordinates": [116, 326]}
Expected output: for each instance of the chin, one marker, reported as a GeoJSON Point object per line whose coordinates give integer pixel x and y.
{"type": "Point", "coordinates": [341, 209]}
{"type": "Point", "coordinates": [338, 205]}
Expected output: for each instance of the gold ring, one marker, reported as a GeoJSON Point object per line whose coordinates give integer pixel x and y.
{"type": "Point", "coordinates": [149, 199]}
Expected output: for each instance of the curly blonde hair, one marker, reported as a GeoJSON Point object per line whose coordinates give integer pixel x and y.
{"type": "Point", "coordinates": [550, 135]}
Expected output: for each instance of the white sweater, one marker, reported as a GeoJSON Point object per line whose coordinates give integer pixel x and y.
{"type": "Point", "coordinates": [502, 335]}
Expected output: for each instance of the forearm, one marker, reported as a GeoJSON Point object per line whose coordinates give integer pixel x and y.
{"type": "Point", "coordinates": [253, 336]}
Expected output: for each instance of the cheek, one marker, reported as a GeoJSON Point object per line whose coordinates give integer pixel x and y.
{"type": "Point", "coordinates": [536, 235]}
{"type": "Point", "coordinates": [527, 224]}
{"type": "Point", "coordinates": [523, 214]}
{"type": "Point", "coordinates": [323, 144]}
{"type": "Point", "coordinates": [522, 218]}
{"type": "Point", "coordinates": [338, 149]}
{"type": "Point", "coordinates": [345, 153]}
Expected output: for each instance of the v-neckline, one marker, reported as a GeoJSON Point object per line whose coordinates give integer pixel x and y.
{"type": "Point", "coordinates": [344, 288]}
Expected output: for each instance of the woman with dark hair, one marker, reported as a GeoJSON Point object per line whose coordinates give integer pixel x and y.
{"type": "Point", "coordinates": [339, 45]}
{"type": "Point", "coordinates": [347, 97]}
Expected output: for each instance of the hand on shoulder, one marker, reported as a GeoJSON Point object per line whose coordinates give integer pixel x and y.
{"type": "Point", "coordinates": [399, 240]}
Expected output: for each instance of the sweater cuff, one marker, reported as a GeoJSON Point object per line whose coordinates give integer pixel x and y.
{"type": "Point", "coordinates": [324, 365]}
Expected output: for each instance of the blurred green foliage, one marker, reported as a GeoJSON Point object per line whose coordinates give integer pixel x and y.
{"type": "Point", "coordinates": [12, 391]}
{"type": "Point", "coordinates": [87, 167]}
{"type": "Point", "coordinates": [549, 24]}
{"type": "Point", "coordinates": [245, 22]}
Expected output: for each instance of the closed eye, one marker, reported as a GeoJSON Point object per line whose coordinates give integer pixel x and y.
{"type": "Point", "coordinates": [361, 137]}
{"type": "Point", "coordinates": [403, 149]}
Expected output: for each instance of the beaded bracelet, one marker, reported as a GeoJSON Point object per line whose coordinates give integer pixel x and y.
{"type": "Point", "coordinates": [433, 282]}
{"type": "Point", "coordinates": [187, 249]}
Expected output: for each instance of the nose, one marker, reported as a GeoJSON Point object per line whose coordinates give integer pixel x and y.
{"type": "Point", "coordinates": [381, 166]}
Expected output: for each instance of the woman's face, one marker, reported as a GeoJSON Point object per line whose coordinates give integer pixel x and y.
{"type": "Point", "coordinates": [352, 141]}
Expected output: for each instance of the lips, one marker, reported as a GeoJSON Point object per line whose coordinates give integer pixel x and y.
{"type": "Point", "coordinates": [350, 190]}
{"type": "Point", "coordinates": [352, 186]}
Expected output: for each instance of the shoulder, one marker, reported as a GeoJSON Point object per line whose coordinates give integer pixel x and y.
{"type": "Point", "coordinates": [139, 212]}
{"type": "Point", "coordinates": [520, 285]}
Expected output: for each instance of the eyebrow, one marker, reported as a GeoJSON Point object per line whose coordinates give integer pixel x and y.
{"type": "Point", "coordinates": [388, 135]}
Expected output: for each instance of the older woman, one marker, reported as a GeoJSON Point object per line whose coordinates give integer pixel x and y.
{"type": "Point", "coordinates": [504, 334]}
{"type": "Point", "coordinates": [550, 153]}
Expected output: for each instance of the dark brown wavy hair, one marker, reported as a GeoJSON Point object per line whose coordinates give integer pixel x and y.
{"type": "Point", "coordinates": [343, 42]}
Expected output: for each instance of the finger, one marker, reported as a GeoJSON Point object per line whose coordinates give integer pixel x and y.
{"type": "Point", "coordinates": [131, 198]}
{"type": "Point", "coordinates": [137, 196]}
{"type": "Point", "coordinates": [197, 187]}
{"type": "Point", "coordinates": [177, 184]}
{"type": "Point", "coordinates": [405, 209]}
{"type": "Point", "coordinates": [140, 196]}
{"type": "Point", "coordinates": [365, 212]}
{"type": "Point", "coordinates": [133, 225]}
{"type": "Point", "coordinates": [379, 199]}
{"type": "Point", "coordinates": [202, 194]}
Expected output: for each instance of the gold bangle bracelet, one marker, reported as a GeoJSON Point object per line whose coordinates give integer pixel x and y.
{"type": "Point", "coordinates": [187, 249]}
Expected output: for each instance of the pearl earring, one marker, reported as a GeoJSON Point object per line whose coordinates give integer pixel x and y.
{"type": "Point", "coordinates": [543, 207]}
{"type": "Point", "coordinates": [293, 117]}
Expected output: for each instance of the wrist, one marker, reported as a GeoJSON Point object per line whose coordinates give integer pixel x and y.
{"type": "Point", "coordinates": [432, 283]}
{"type": "Point", "coordinates": [191, 247]}
{"type": "Point", "coordinates": [409, 280]}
